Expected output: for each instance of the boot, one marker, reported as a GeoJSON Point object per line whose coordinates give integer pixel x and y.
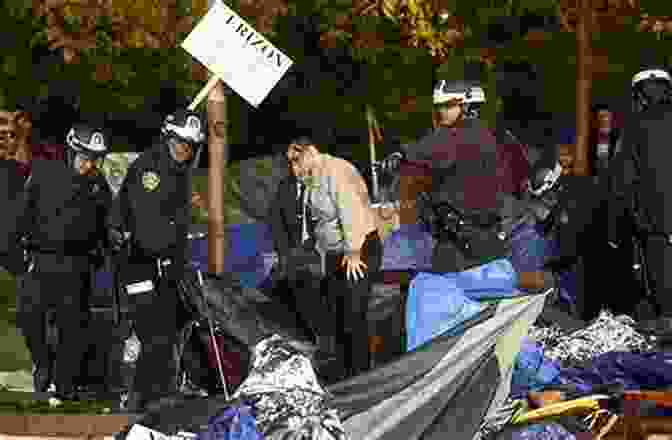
{"type": "Point", "coordinates": [42, 377]}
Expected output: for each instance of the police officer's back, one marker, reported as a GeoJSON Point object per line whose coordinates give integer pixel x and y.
{"type": "Point", "coordinates": [467, 192]}
{"type": "Point", "coordinates": [64, 226]}
{"type": "Point", "coordinates": [153, 209]}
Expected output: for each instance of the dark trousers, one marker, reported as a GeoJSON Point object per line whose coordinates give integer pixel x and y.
{"type": "Point", "coordinates": [309, 302]}
{"type": "Point", "coordinates": [659, 255]}
{"type": "Point", "coordinates": [349, 302]}
{"type": "Point", "coordinates": [68, 294]}
{"type": "Point", "coordinates": [157, 320]}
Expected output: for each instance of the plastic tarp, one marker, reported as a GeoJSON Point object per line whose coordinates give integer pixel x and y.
{"type": "Point", "coordinates": [439, 302]}
{"type": "Point", "coordinates": [449, 385]}
{"type": "Point", "coordinates": [634, 371]}
{"type": "Point", "coordinates": [530, 250]}
{"type": "Point", "coordinates": [408, 248]}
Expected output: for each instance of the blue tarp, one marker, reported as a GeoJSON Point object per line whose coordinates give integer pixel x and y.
{"type": "Point", "coordinates": [532, 371]}
{"type": "Point", "coordinates": [250, 253]}
{"type": "Point", "coordinates": [529, 251]}
{"type": "Point", "coordinates": [635, 371]}
{"type": "Point", "coordinates": [408, 248]}
{"type": "Point", "coordinates": [438, 303]}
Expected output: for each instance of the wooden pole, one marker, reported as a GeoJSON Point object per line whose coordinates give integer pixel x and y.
{"type": "Point", "coordinates": [583, 88]}
{"type": "Point", "coordinates": [218, 157]}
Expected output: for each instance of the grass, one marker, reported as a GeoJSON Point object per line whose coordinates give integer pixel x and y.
{"type": "Point", "coordinates": [14, 354]}
{"type": "Point", "coordinates": [23, 403]}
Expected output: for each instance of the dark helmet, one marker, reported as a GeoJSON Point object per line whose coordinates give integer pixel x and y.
{"type": "Point", "coordinates": [469, 92]}
{"type": "Point", "coordinates": [651, 87]}
{"type": "Point", "coordinates": [85, 141]}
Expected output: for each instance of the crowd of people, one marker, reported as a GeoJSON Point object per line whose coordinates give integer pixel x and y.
{"type": "Point", "coordinates": [473, 187]}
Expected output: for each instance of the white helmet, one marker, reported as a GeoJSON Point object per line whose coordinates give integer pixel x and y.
{"type": "Point", "coordinates": [643, 96]}
{"type": "Point", "coordinates": [469, 93]}
{"type": "Point", "coordinates": [185, 126]}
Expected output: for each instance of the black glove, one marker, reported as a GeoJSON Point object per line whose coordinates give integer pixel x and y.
{"type": "Point", "coordinates": [392, 161]}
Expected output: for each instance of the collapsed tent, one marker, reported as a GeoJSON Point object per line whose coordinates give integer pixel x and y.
{"type": "Point", "coordinates": [449, 384]}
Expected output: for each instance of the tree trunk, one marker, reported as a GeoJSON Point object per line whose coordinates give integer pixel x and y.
{"type": "Point", "coordinates": [218, 155]}
{"type": "Point", "coordinates": [583, 89]}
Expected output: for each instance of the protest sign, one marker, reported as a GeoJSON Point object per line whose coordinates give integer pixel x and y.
{"type": "Point", "coordinates": [237, 54]}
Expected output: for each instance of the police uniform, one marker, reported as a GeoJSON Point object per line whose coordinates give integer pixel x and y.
{"type": "Point", "coordinates": [641, 181]}
{"type": "Point", "coordinates": [65, 224]}
{"type": "Point", "coordinates": [463, 164]}
{"type": "Point", "coordinates": [154, 206]}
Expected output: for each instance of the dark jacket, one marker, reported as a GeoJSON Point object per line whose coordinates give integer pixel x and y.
{"type": "Point", "coordinates": [12, 201]}
{"type": "Point", "coordinates": [285, 226]}
{"type": "Point", "coordinates": [465, 168]}
{"type": "Point", "coordinates": [640, 171]}
{"type": "Point", "coordinates": [65, 216]}
{"type": "Point", "coordinates": [154, 206]}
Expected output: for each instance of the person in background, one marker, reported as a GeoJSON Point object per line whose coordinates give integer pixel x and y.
{"type": "Point", "coordinates": [17, 143]}
{"type": "Point", "coordinates": [346, 236]}
{"type": "Point", "coordinates": [64, 232]}
{"type": "Point", "coordinates": [605, 138]}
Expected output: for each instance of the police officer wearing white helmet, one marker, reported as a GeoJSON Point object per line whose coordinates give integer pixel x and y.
{"type": "Point", "coordinates": [642, 181]}
{"type": "Point", "coordinates": [152, 214]}
{"type": "Point", "coordinates": [64, 233]}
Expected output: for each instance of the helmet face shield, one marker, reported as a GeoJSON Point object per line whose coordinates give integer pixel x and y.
{"type": "Point", "coordinates": [187, 128]}
{"type": "Point", "coordinates": [87, 148]}
{"type": "Point", "coordinates": [544, 180]}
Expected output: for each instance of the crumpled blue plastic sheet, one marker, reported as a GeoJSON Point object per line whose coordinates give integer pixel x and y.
{"type": "Point", "coordinates": [497, 279]}
{"type": "Point", "coordinates": [530, 250]}
{"type": "Point", "coordinates": [408, 248]}
{"type": "Point", "coordinates": [234, 423]}
{"type": "Point", "coordinates": [537, 431]}
{"type": "Point", "coordinates": [643, 371]}
{"type": "Point", "coordinates": [531, 371]}
{"type": "Point", "coordinates": [434, 306]}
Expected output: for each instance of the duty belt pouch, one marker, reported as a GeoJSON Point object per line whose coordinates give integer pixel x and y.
{"type": "Point", "coordinates": [138, 278]}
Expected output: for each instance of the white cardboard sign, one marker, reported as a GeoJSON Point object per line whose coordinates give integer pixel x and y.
{"type": "Point", "coordinates": [237, 54]}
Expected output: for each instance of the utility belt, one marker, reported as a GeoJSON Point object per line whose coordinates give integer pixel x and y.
{"type": "Point", "coordinates": [30, 250]}
{"type": "Point", "coordinates": [143, 277]}
{"type": "Point", "coordinates": [468, 232]}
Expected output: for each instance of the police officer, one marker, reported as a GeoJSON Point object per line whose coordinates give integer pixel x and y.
{"type": "Point", "coordinates": [468, 207]}
{"type": "Point", "coordinates": [64, 230]}
{"type": "Point", "coordinates": [152, 212]}
{"type": "Point", "coordinates": [642, 181]}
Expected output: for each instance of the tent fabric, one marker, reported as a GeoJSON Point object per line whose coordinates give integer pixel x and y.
{"type": "Point", "coordinates": [470, 373]}
{"type": "Point", "coordinates": [420, 395]}
{"type": "Point", "coordinates": [408, 248]}
{"type": "Point", "coordinates": [435, 305]}
{"type": "Point", "coordinates": [635, 371]}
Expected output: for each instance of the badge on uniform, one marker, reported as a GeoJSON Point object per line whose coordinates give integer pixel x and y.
{"type": "Point", "coordinates": [150, 180]}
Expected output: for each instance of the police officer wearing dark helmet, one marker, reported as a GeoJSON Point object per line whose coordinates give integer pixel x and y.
{"type": "Point", "coordinates": [64, 234]}
{"type": "Point", "coordinates": [642, 181]}
{"type": "Point", "coordinates": [152, 215]}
